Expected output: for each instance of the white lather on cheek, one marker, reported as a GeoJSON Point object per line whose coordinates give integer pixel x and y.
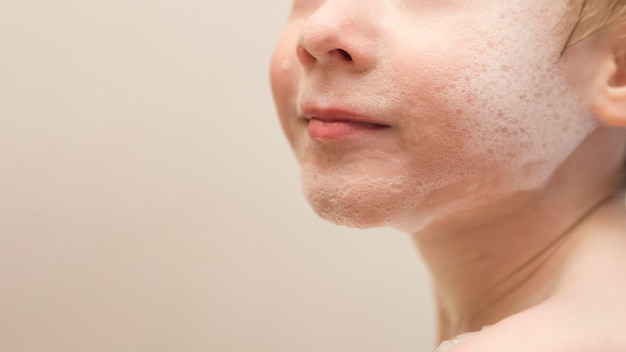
{"type": "Point", "coordinates": [514, 98]}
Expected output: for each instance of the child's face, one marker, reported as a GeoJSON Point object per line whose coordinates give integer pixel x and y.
{"type": "Point", "coordinates": [401, 112]}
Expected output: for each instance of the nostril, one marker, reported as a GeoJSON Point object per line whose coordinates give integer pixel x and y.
{"type": "Point", "coordinates": [344, 54]}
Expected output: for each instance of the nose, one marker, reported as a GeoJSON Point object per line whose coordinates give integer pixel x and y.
{"type": "Point", "coordinates": [339, 34]}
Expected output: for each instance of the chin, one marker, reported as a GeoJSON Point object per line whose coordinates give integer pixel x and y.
{"type": "Point", "coordinates": [342, 210]}
{"type": "Point", "coordinates": [374, 209]}
{"type": "Point", "coordinates": [361, 201]}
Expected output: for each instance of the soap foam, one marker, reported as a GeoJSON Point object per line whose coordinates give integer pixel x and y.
{"type": "Point", "coordinates": [498, 117]}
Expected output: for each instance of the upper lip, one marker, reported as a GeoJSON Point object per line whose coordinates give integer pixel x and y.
{"type": "Point", "coordinates": [330, 113]}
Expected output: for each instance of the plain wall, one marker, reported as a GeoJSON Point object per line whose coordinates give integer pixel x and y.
{"type": "Point", "coordinates": [149, 202]}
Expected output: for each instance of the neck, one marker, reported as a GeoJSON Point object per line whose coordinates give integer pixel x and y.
{"type": "Point", "coordinates": [487, 271]}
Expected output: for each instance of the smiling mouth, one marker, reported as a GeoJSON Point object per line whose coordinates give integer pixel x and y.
{"type": "Point", "coordinates": [334, 129]}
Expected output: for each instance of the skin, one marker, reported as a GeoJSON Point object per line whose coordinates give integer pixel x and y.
{"type": "Point", "coordinates": [474, 144]}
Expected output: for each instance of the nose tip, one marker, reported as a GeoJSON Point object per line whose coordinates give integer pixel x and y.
{"type": "Point", "coordinates": [329, 39]}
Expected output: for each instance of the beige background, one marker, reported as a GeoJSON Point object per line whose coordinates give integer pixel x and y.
{"type": "Point", "coordinates": [148, 201]}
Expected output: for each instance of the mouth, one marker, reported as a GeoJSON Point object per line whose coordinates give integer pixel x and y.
{"type": "Point", "coordinates": [338, 129]}
{"type": "Point", "coordinates": [335, 124]}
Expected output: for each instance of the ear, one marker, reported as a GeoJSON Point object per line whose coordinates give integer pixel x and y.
{"type": "Point", "coordinates": [609, 102]}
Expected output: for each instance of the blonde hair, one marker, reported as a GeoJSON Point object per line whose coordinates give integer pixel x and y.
{"type": "Point", "coordinates": [592, 16]}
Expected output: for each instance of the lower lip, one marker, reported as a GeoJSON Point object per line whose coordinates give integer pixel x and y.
{"type": "Point", "coordinates": [333, 130]}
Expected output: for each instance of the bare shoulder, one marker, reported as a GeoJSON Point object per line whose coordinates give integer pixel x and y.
{"type": "Point", "coordinates": [547, 329]}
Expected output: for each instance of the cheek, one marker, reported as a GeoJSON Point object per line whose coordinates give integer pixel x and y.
{"type": "Point", "coordinates": [492, 105]}
{"type": "Point", "coordinates": [438, 128]}
{"type": "Point", "coordinates": [284, 76]}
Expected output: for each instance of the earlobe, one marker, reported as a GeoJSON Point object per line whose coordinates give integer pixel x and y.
{"type": "Point", "coordinates": [609, 103]}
